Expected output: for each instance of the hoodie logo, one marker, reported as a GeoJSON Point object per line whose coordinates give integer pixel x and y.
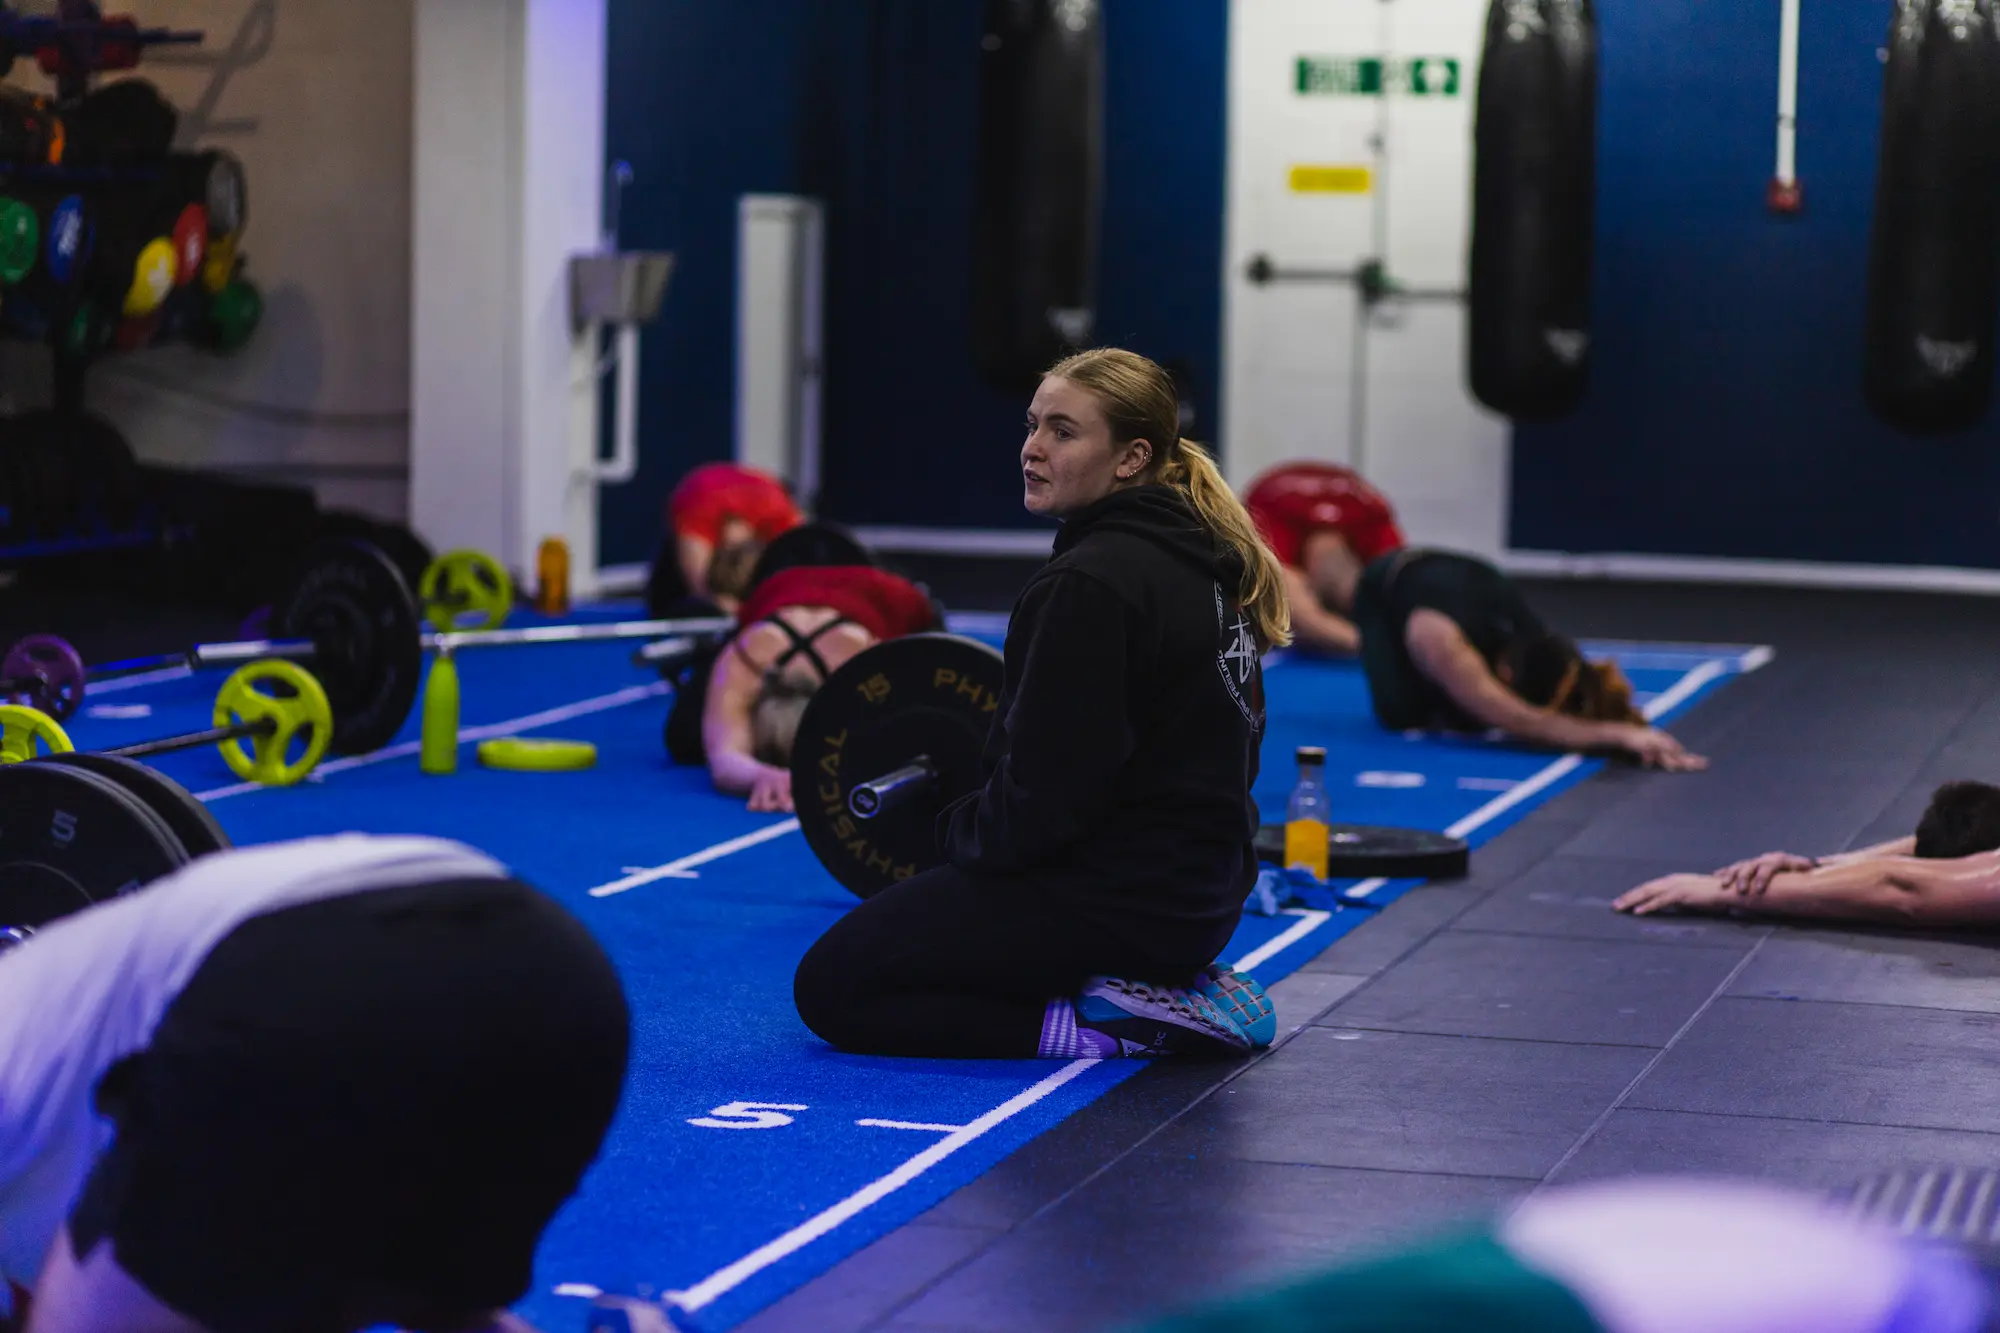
{"type": "Point", "coordinates": [1238, 661]}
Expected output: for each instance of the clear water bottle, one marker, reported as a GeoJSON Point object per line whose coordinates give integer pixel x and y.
{"type": "Point", "coordinates": [1309, 815]}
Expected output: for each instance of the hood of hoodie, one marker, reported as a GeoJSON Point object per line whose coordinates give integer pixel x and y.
{"type": "Point", "coordinates": [1163, 516]}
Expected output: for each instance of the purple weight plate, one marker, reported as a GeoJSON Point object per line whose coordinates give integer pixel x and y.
{"type": "Point", "coordinates": [46, 673]}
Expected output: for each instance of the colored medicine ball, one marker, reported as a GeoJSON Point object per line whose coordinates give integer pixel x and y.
{"type": "Point", "coordinates": [20, 240]}
{"type": "Point", "coordinates": [152, 278]}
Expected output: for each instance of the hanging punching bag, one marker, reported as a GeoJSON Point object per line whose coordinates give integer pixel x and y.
{"type": "Point", "coordinates": [1534, 189]}
{"type": "Point", "coordinates": [1041, 162]}
{"type": "Point", "coordinates": [1934, 265]}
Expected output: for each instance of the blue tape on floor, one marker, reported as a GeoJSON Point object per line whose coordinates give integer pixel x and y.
{"type": "Point", "coordinates": [748, 1157]}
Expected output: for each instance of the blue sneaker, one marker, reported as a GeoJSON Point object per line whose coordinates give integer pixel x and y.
{"type": "Point", "coordinates": [1148, 1020]}
{"type": "Point", "coordinates": [1243, 1001]}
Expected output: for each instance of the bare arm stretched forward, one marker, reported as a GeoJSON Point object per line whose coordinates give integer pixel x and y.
{"type": "Point", "coordinates": [1901, 890]}
{"type": "Point", "coordinates": [1313, 626]}
{"type": "Point", "coordinates": [725, 732]}
{"type": "Point", "coordinates": [1442, 652]}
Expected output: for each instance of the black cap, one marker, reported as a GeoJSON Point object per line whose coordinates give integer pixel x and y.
{"type": "Point", "coordinates": [1311, 754]}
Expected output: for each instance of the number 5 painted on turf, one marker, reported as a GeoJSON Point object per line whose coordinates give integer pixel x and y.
{"type": "Point", "coordinates": [747, 1115]}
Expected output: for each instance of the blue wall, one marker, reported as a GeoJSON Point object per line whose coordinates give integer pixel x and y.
{"type": "Point", "coordinates": [1725, 413]}
{"type": "Point", "coordinates": [872, 105]}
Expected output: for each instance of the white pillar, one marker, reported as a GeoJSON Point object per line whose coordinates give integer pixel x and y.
{"type": "Point", "coordinates": [509, 165]}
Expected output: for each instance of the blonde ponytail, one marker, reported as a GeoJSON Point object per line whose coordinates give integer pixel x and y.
{"type": "Point", "coordinates": [1261, 590]}
{"type": "Point", "coordinates": [1141, 403]}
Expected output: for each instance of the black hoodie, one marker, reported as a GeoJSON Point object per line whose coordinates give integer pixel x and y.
{"type": "Point", "coordinates": [1119, 767]}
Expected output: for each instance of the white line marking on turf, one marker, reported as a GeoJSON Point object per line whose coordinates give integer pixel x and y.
{"type": "Point", "coordinates": [1686, 688]}
{"type": "Point", "coordinates": [678, 874]}
{"type": "Point", "coordinates": [906, 1124]}
{"type": "Point", "coordinates": [673, 869]}
{"type": "Point", "coordinates": [728, 1278]}
{"type": "Point", "coordinates": [469, 735]}
{"type": "Point", "coordinates": [1309, 921]}
{"type": "Point", "coordinates": [1501, 804]}
{"type": "Point", "coordinates": [582, 1289]}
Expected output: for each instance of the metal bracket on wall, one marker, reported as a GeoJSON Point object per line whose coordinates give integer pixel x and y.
{"type": "Point", "coordinates": [1370, 278]}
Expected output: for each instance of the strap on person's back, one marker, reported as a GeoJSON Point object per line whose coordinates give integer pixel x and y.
{"type": "Point", "coordinates": [803, 643]}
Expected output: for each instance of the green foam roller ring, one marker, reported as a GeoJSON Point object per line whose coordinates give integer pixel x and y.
{"type": "Point", "coordinates": [20, 240]}
{"type": "Point", "coordinates": [438, 750]}
{"type": "Point", "coordinates": [535, 754]}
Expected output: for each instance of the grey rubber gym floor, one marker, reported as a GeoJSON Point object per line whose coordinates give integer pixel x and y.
{"type": "Point", "coordinates": [1487, 1037]}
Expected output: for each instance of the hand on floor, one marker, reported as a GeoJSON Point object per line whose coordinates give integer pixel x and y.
{"type": "Point", "coordinates": [1693, 893]}
{"type": "Point", "coordinates": [1750, 878]}
{"type": "Point", "coordinates": [771, 792]}
{"type": "Point", "coordinates": [1654, 748]}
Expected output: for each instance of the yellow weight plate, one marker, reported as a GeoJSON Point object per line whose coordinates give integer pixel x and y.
{"type": "Point", "coordinates": [21, 729]}
{"type": "Point", "coordinates": [297, 722]}
{"type": "Point", "coordinates": [464, 590]}
{"type": "Point", "coordinates": [523, 754]}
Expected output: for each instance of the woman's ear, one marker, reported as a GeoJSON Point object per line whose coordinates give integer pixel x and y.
{"type": "Point", "coordinates": [1138, 456]}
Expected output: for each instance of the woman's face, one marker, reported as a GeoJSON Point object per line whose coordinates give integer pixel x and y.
{"type": "Point", "coordinates": [1069, 460]}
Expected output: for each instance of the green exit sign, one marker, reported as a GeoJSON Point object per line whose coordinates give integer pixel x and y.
{"type": "Point", "coordinates": [1374, 76]}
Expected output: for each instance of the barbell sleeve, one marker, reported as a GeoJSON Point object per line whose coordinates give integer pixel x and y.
{"type": "Point", "coordinates": [452, 640]}
{"type": "Point", "coordinates": [236, 652]}
{"type": "Point", "coordinates": [663, 652]}
{"type": "Point", "coordinates": [208, 655]}
{"type": "Point", "coordinates": [250, 650]}
{"type": "Point", "coordinates": [878, 796]}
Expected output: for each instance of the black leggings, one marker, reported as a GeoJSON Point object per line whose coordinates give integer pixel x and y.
{"type": "Point", "coordinates": [943, 964]}
{"type": "Point", "coordinates": [685, 743]}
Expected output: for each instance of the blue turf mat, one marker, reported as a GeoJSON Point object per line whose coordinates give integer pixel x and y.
{"type": "Point", "coordinates": [743, 1162]}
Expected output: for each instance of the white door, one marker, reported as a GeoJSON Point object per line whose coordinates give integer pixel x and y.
{"type": "Point", "coordinates": [1350, 140]}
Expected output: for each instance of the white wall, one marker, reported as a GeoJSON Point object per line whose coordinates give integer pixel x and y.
{"type": "Point", "coordinates": [508, 160]}
{"type": "Point", "coordinates": [1305, 375]}
{"type": "Point", "coordinates": [314, 96]}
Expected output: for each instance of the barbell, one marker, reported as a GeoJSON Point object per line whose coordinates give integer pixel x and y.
{"type": "Point", "coordinates": [898, 732]}
{"type": "Point", "coordinates": [352, 618]}
{"type": "Point", "coordinates": [275, 706]}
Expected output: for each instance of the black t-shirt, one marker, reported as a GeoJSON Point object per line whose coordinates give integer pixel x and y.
{"type": "Point", "coordinates": [1125, 744]}
{"type": "Point", "coordinates": [1484, 603]}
